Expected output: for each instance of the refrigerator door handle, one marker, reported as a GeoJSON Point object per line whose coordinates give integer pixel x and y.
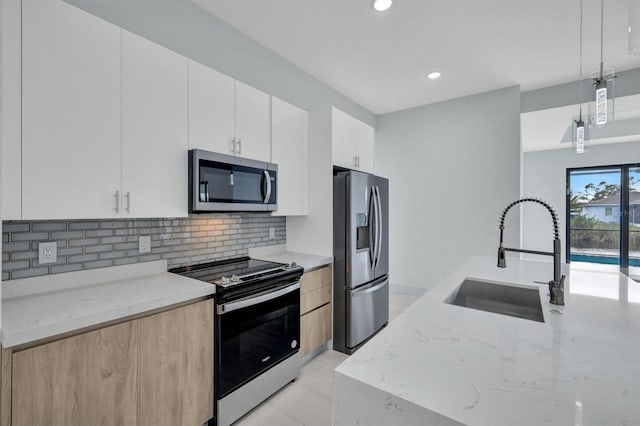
{"type": "Point", "coordinates": [372, 229]}
{"type": "Point", "coordinates": [372, 289]}
{"type": "Point", "coordinates": [378, 226]}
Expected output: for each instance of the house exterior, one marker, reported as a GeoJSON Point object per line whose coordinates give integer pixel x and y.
{"type": "Point", "coordinates": [608, 209]}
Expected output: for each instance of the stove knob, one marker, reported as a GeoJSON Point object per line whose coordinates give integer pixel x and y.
{"type": "Point", "coordinates": [235, 278]}
{"type": "Point", "coordinates": [224, 280]}
{"type": "Point", "coordinates": [292, 264]}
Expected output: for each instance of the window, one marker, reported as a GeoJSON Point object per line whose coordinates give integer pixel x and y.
{"type": "Point", "coordinates": [608, 211]}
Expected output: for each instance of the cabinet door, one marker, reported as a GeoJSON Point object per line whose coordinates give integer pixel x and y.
{"type": "Point", "coordinates": [211, 109]}
{"type": "Point", "coordinates": [289, 150]}
{"type": "Point", "coordinates": [175, 360]}
{"type": "Point", "coordinates": [71, 157]}
{"type": "Point", "coordinates": [315, 289]}
{"type": "Point", "coordinates": [253, 129]}
{"type": "Point", "coordinates": [10, 157]}
{"type": "Point", "coordinates": [154, 129]}
{"type": "Point", "coordinates": [343, 136]}
{"type": "Point", "coordinates": [315, 329]}
{"type": "Point", "coordinates": [82, 380]}
{"type": "Point", "coordinates": [365, 136]}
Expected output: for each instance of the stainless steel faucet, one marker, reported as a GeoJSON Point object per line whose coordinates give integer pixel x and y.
{"type": "Point", "coordinates": [556, 286]}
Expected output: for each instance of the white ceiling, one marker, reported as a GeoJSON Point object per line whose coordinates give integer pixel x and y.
{"type": "Point", "coordinates": [380, 60]}
{"type": "Point", "coordinates": [549, 128]}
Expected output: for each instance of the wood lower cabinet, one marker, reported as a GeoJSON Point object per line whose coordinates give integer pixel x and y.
{"type": "Point", "coordinates": [315, 329]}
{"type": "Point", "coordinates": [156, 370]}
{"type": "Point", "coordinates": [175, 367]}
{"type": "Point", "coordinates": [89, 379]}
{"type": "Point", "coordinates": [315, 309]}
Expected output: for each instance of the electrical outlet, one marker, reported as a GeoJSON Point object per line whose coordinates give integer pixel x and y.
{"type": "Point", "coordinates": [47, 252]}
{"type": "Point", "coordinates": [144, 244]}
{"type": "Point", "coordinates": [272, 233]}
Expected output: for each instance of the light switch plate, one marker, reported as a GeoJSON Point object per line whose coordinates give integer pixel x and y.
{"type": "Point", "coordinates": [48, 252]}
{"type": "Point", "coordinates": [272, 233]}
{"type": "Point", "coordinates": [144, 244]}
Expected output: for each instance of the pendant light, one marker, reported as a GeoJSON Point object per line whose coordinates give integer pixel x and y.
{"type": "Point", "coordinates": [634, 27]}
{"type": "Point", "coordinates": [602, 105]}
{"type": "Point", "coordinates": [579, 131]}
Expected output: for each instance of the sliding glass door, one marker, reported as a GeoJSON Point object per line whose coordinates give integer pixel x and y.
{"type": "Point", "coordinates": [634, 222]}
{"type": "Point", "coordinates": [603, 217]}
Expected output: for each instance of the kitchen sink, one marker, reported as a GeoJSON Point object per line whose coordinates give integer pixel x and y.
{"type": "Point", "coordinates": [503, 299]}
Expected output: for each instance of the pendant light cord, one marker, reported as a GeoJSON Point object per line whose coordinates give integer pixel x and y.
{"type": "Point", "coordinates": [580, 75]}
{"type": "Point", "coordinates": [601, 39]}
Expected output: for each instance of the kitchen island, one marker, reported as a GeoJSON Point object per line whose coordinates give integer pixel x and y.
{"type": "Point", "coordinates": [441, 364]}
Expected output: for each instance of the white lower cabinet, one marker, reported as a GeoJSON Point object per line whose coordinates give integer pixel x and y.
{"type": "Point", "coordinates": [154, 129]}
{"type": "Point", "coordinates": [71, 124]}
{"type": "Point", "coordinates": [289, 150]}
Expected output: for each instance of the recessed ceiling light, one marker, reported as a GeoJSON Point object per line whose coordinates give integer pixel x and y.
{"type": "Point", "coordinates": [433, 75]}
{"type": "Point", "coordinates": [382, 5]}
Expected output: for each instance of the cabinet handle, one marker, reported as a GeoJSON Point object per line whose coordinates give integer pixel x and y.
{"type": "Point", "coordinates": [358, 161]}
{"type": "Point", "coordinates": [117, 195]}
{"type": "Point", "coordinates": [128, 195]}
{"type": "Point", "coordinates": [233, 146]}
{"type": "Point", "coordinates": [239, 146]}
{"type": "Point", "coordinates": [355, 160]}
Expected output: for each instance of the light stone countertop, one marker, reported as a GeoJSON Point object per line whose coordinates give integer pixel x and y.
{"type": "Point", "coordinates": [280, 254]}
{"type": "Point", "coordinates": [441, 364]}
{"type": "Point", "coordinates": [44, 307]}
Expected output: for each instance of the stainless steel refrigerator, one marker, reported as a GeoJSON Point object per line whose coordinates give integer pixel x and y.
{"type": "Point", "coordinates": [361, 258]}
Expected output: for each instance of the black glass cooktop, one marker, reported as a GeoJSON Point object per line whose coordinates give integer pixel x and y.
{"type": "Point", "coordinates": [231, 272]}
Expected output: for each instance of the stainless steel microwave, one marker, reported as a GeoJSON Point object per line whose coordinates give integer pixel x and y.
{"type": "Point", "coordinates": [220, 182]}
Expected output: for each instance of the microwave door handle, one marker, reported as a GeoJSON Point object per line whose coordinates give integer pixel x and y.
{"type": "Point", "coordinates": [254, 300]}
{"type": "Point", "coordinates": [267, 178]}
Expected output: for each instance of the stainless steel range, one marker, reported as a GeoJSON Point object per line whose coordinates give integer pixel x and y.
{"type": "Point", "coordinates": [257, 330]}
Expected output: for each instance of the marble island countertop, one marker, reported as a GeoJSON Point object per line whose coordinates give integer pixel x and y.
{"type": "Point", "coordinates": [44, 307]}
{"type": "Point", "coordinates": [441, 364]}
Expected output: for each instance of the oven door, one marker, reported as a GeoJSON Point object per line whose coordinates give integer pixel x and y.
{"type": "Point", "coordinates": [255, 333]}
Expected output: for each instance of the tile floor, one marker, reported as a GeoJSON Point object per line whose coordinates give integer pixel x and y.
{"type": "Point", "coordinates": [308, 401]}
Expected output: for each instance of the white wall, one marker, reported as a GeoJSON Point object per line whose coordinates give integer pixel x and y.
{"type": "Point", "coordinates": [452, 168]}
{"type": "Point", "coordinates": [545, 176]}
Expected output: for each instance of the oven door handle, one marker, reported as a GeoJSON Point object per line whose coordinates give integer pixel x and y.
{"type": "Point", "coordinates": [254, 300]}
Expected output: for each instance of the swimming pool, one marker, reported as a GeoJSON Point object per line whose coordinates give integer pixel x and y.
{"type": "Point", "coordinates": [607, 260]}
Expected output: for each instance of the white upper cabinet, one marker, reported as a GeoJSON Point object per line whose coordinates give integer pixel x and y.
{"type": "Point", "coordinates": [154, 129]}
{"type": "Point", "coordinates": [342, 138]}
{"type": "Point", "coordinates": [352, 142]}
{"type": "Point", "coordinates": [10, 157]}
{"type": "Point", "coordinates": [289, 150]}
{"type": "Point", "coordinates": [212, 118]}
{"type": "Point", "coordinates": [364, 145]}
{"type": "Point", "coordinates": [71, 124]}
{"type": "Point", "coordinates": [227, 116]}
{"type": "Point", "coordinates": [253, 128]}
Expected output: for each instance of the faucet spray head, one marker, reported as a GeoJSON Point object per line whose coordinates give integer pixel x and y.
{"type": "Point", "coordinates": [502, 261]}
